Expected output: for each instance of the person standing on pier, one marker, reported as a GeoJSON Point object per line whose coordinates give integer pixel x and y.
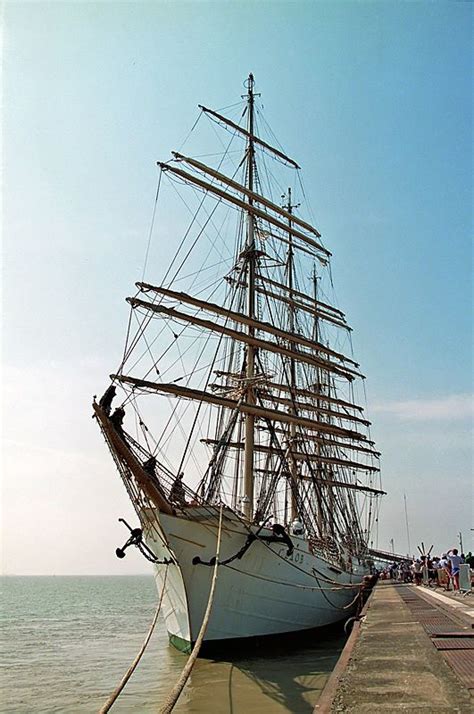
{"type": "Point", "coordinates": [455, 561]}
{"type": "Point", "coordinates": [444, 571]}
{"type": "Point", "coordinates": [435, 569]}
{"type": "Point", "coordinates": [417, 571]}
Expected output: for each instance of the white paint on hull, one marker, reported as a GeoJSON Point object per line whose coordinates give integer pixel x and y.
{"type": "Point", "coordinates": [264, 593]}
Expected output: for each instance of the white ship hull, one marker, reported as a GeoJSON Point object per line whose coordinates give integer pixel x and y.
{"type": "Point", "coordinates": [265, 592]}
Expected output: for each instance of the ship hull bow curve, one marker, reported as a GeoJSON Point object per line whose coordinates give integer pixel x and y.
{"type": "Point", "coordinates": [264, 592]}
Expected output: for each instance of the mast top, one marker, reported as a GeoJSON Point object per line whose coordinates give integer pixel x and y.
{"type": "Point", "coordinates": [249, 84]}
{"type": "Point", "coordinates": [288, 207]}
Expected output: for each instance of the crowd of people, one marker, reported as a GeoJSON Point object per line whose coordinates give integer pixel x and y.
{"type": "Point", "coordinates": [437, 571]}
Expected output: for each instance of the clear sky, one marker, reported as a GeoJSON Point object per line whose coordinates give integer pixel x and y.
{"type": "Point", "coordinates": [374, 99]}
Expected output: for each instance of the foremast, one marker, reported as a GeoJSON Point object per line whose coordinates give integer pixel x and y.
{"type": "Point", "coordinates": [250, 254]}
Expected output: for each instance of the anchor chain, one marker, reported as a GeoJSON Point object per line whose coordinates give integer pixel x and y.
{"type": "Point", "coordinates": [279, 536]}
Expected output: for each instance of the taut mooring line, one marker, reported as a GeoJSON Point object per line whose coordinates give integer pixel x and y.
{"type": "Point", "coordinates": [179, 686]}
{"type": "Point", "coordinates": [116, 693]}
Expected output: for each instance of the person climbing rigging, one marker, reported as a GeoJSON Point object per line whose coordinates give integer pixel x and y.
{"type": "Point", "coordinates": [106, 399]}
{"type": "Point", "coordinates": [117, 420]}
{"type": "Point", "coordinates": [177, 494]}
{"type": "Point", "coordinates": [149, 466]}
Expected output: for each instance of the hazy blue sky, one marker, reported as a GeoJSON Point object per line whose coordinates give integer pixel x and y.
{"type": "Point", "coordinates": [374, 99]}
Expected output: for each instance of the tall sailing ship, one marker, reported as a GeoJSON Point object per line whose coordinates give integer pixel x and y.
{"type": "Point", "coordinates": [240, 397]}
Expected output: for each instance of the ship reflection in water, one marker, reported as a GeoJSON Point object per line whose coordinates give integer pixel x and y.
{"type": "Point", "coordinates": [279, 678]}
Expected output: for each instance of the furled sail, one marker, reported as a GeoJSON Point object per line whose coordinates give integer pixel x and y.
{"type": "Point", "coordinates": [248, 354]}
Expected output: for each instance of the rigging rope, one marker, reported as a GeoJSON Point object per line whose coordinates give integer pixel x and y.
{"type": "Point", "coordinates": [118, 690]}
{"type": "Point", "coordinates": [179, 686]}
{"type": "Point", "coordinates": [152, 225]}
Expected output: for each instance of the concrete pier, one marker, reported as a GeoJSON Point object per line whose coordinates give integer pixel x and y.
{"type": "Point", "coordinates": [413, 650]}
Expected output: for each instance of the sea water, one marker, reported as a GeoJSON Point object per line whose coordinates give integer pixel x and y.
{"type": "Point", "coordinates": [67, 641]}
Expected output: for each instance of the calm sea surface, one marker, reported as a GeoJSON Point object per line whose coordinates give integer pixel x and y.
{"type": "Point", "coordinates": [67, 641]}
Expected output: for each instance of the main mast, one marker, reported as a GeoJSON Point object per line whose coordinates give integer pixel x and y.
{"type": "Point", "coordinates": [292, 441]}
{"type": "Point", "coordinates": [247, 501]}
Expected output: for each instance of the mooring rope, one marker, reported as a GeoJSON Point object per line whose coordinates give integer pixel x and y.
{"type": "Point", "coordinates": [359, 594]}
{"type": "Point", "coordinates": [117, 691]}
{"type": "Point", "coordinates": [179, 686]}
